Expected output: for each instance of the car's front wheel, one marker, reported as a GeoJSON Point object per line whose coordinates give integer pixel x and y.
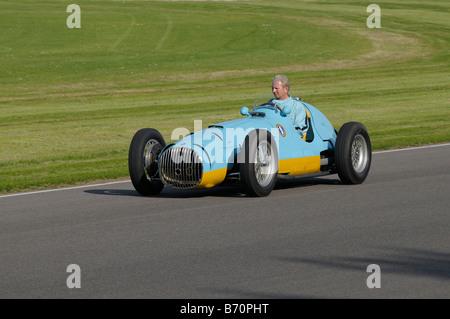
{"type": "Point", "coordinates": [143, 155]}
{"type": "Point", "coordinates": [353, 153]}
{"type": "Point", "coordinates": [259, 163]}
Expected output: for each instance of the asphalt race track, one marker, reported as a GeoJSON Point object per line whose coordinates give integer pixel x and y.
{"type": "Point", "coordinates": [311, 238]}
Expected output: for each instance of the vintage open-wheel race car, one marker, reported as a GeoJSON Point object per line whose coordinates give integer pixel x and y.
{"type": "Point", "coordinates": [258, 150]}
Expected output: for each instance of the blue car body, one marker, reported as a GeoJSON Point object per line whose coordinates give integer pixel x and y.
{"type": "Point", "coordinates": [206, 158]}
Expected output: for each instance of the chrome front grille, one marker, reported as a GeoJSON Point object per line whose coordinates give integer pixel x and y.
{"type": "Point", "coordinates": [180, 167]}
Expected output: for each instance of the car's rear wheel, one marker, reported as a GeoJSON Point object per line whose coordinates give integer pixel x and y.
{"type": "Point", "coordinates": [353, 153]}
{"type": "Point", "coordinates": [143, 155]}
{"type": "Point", "coordinates": [259, 163]}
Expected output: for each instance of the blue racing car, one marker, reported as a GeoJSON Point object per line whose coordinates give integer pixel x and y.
{"type": "Point", "coordinates": [258, 150]}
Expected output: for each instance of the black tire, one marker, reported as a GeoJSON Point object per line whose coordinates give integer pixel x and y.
{"type": "Point", "coordinates": [259, 178]}
{"type": "Point", "coordinates": [353, 153]}
{"type": "Point", "coordinates": [145, 147]}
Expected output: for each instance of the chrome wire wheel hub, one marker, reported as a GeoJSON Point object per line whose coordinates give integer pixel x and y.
{"type": "Point", "coordinates": [150, 157]}
{"type": "Point", "coordinates": [359, 153]}
{"type": "Point", "coordinates": [264, 164]}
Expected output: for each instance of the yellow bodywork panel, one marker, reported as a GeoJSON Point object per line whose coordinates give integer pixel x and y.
{"type": "Point", "coordinates": [213, 178]}
{"type": "Point", "coordinates": [294, 166]}
{"type": "Point", "coordinates": [299, 166]}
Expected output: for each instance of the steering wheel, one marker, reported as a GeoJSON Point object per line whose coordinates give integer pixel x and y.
{"type": "Point", "coordinates": [272, 104]}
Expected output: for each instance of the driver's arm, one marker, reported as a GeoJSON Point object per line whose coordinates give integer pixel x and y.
{"type": "Point", "coordinates": [300, 119]}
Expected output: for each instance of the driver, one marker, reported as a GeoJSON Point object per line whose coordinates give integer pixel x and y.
{"type": "Point", "coordinates": [280, 89]}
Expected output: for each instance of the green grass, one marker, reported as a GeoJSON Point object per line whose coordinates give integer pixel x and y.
{"type": "Point", "coordinates": [71, 99]}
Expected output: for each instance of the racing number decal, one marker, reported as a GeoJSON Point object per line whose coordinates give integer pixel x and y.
{"type": "Point", "coordinates": [281, 130]}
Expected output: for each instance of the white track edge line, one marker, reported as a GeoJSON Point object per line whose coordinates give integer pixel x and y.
{"type": "Point", "coordinates": [64, 188]}
{"type": "Point", "coordinates": [128, 181]}
{"type": "Point", "coordinates": [411, 148]}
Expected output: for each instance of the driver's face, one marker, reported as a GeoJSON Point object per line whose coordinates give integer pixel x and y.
{"type": "Point", "coordinates": [280, 92]}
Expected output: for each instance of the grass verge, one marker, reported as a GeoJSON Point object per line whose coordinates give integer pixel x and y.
{"type": "Point", "coordinates": [71, 99]}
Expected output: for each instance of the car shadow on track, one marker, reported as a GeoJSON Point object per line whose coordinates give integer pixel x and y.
{"type": "Point", "coordinates": [227, 189]}
{"type": "Point", "coordinates": [305, 182]}
{"type": "Point", "coordinates": [405, 261]}
{"type": "Point", "coordinates": [113, 192]}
